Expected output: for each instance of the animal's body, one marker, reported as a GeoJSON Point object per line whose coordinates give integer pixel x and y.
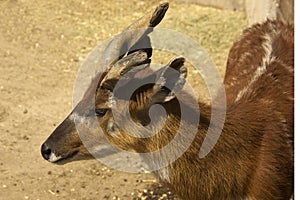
{"type": "Point", "coordinates": [253, 158]}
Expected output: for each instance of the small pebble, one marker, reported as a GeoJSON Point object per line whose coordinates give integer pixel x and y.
{"type": "Point", "coordinates": [51, 192]}
{"type": "Point", "coordinates": [25, 137]}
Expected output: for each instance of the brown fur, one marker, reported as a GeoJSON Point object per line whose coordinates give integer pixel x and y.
{"type": "Point", "coordinates": [254, 155]}
{"type": "Point", "coordinates": [253, 158]}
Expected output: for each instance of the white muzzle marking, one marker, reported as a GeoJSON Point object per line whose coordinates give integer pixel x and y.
{"type": "Point", "coordinates": [54, 158]}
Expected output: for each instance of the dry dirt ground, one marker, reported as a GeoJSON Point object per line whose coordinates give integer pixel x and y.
{"type": "Point", "coordinates": [42, 45]}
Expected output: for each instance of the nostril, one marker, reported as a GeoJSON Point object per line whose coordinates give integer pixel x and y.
{"type": "Point", "coordinates": [45, 151]}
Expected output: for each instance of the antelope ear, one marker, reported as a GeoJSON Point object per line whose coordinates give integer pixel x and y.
{"type": "Point", "coordinates": [170, 80]}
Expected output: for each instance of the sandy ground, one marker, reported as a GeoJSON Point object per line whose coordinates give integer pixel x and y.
{"type": "Point", "coordinates": [42, 45]}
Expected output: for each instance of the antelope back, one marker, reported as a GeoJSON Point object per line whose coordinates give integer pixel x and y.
{"type": "Point", "coordinates": [264, 52]}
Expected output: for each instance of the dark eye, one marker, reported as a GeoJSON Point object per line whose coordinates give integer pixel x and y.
{"type": "Point", "coordinates": [100, 112]}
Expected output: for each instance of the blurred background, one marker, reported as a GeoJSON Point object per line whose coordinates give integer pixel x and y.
{"type": "Point", "coordinates": [42, 45]}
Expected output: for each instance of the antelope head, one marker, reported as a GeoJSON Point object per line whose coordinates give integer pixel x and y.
{"type": "Point", "coordinates": [128, 55]}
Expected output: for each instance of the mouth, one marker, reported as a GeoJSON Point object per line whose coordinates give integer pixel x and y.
{"type": "Point", "coordinates": [58, 159]}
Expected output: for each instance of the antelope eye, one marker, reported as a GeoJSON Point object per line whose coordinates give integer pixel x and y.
{"type": "Point", "coordinates": [100, 112]}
